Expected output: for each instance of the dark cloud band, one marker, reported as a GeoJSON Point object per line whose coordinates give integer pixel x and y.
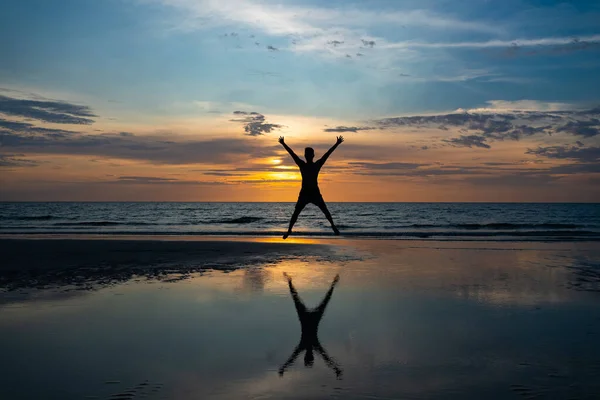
{"type": "Point", "coordinates": [57, 112]}
{"type": "Point", "coordinates": [479, 129]}
{"type": "Point", "coordinates": [341, 129]}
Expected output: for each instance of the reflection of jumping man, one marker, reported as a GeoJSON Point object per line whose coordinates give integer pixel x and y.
{"type": "Point", "coordinates": [310, 192]}
{"type": "Point", "coordinates": [309, 321]}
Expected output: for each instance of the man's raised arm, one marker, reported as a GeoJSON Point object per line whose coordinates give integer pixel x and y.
{"type": "Point", "coordinates": [339, 141]}
{"type": "Point", "coordinates": [321, 307]}
{"type": "Point", "coordinates": [297, 159]}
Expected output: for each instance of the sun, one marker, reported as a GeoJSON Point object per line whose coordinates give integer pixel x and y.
{"type": "Point", "coordinates": [275, 161]}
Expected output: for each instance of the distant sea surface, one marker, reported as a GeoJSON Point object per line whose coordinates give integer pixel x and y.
{"type": "Point", "coordinates": [440, 221]}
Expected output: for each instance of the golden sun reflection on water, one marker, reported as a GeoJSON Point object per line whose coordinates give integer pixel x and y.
{"type": "Point", "coordinates": [482, 273]}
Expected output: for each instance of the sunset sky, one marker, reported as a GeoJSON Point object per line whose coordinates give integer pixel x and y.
{"type": "Point", "coordinates": [184, 100]}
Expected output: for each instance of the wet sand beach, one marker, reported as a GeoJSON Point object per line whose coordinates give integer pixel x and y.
{"type": "Point", "coordinates": [213, 319]}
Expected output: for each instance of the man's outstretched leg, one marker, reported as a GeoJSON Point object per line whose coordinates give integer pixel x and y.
{"type": "Point", "coordinates": [321, 204]}
{"type": "Point", "coordinates": [299, 207]}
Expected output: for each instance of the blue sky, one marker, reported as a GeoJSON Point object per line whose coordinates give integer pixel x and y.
{"type": "Point", "coordinates": [151, 53]}
{"type": "Point", "coordinates": [182, 67]}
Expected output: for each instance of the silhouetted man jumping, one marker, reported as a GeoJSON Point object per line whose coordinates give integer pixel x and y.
{"type": "Point", "coordinates": [310, 192]}
{"type": "Point", "coordinates": [309, 322]}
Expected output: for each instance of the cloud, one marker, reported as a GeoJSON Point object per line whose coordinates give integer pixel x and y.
{"type": "Point", "coordinates": [27, 128]}
{"type": "Point", "coordinates": [154, 148]}
{"type": "Point", "coordinates": [360, 36]}
{"type": "Point", "coordinates": [573, 169]}
{"type": "Point", "coordinates": [368, 43]}
{"type": "Point", "coordinates": [150, 180]}
{"type": "Point", "coordinates": [516, 132]}
{"type": "Point", "coordinates": [593, 111]}
{"type": "Point", "coordinates": [218, 173]}
{"type": "Point", "coordinates": [468, 141]}
{"type": "Point", "coordinates": [145, 179]}
{"type": "Point", "coordinates": [587, 128]}
{"type": "Point", "coordinates": [523, 105]}
{"type": "Point", "coordinates": [559, 48]}
{"type": "Point", "coordinates": [517, 179]}
{"type": "Point", "coordinates": [284, 19]}
{"type": "Point", "coordinates": [57, 112]}
{"type": "Point", "coordinates": [389, 52]}
{"type": "Point", "coordinates": [14, 125]}
{"type": "Point", "coordinates": [498, 122]}
{"type": "Point", "coordinates": [224, 107]}
{"type": "Point", "coordinates": [422, 170]}
{"type": "Point", "coordinates": [348, 129]}
{"type": "Point", "coordinates": [547, 41]}
{"type": "Point", "coordinates": [329, 31]}
{"type": "Point", "coordinates": [262, 181]}
{"type": "Point", "coordinates": [386, 166]}
{"type": "Point", "coordinates": [582, 154]}
{"type": "Point", "coordinates": [500, 173]}
{"type": "Point", "coordinates": [518, 174]}
{"type": "Point", "coordinates": [254, 123]}
{"type": "Point", "coordinates": [13, 160]}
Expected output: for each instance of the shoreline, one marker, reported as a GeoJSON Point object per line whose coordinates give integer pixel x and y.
{"type": "Point", "coordinates": [87, 262]}
{"type": "Point", "coordinates": [325, 240]}
{"type": "Point", "coordinates": [526, 236]}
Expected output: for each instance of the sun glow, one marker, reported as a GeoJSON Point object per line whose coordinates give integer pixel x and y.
{"type": "Point", "coordinates": [273, 177]}
{"type": "Point", "coordinates": [286, 176]}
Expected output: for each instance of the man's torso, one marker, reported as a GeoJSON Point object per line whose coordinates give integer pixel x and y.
{"type": "Point", "coordinates": [310, 175]}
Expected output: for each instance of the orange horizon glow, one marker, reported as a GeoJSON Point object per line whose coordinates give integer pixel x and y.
{"type": "Point", "coordinates": [348, 176]}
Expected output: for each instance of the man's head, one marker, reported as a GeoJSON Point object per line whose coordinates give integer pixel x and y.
{"type": "Point", "coordinates": [309, 154]}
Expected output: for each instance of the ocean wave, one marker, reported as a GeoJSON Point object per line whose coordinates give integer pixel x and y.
{"type": "Point", "coordinates": [104, 223]}
{"type": "Point", "coordinates": [28, 218]}
{"type": "Point", "coordinates": [500, 226]}
{"type": "Point", "coordinates": [240, 220]}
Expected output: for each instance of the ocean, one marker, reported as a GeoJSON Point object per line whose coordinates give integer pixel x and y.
{"type": "Point", "coordinates": [438, 221]}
